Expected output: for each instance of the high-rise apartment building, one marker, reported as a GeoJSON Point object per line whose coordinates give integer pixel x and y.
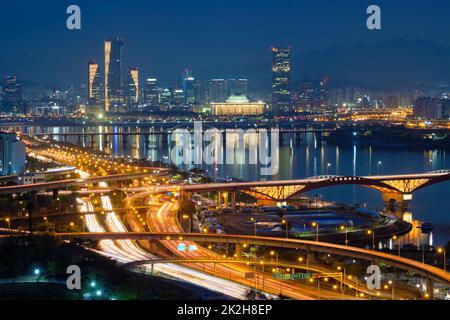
{"type": "Point", "coordinates": [12, 154]}
{"type": "Point", "coordinates": [428, 108]}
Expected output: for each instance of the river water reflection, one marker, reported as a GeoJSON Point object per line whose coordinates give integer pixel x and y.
{"type": "Point", "coordinates": [299, 158]}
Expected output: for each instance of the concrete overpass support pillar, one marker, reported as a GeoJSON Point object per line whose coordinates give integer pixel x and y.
{"type": "Point", "coordinates": [310, 259]}
{"type": "Point", "coordinates": [219, 198]}
{"type": "Point", "coordinates": [430, 289]}
{"type": "Point", "coordinates": [55, 194]}
{"type": "Point", "coordinates": [225, 199]}
{"type": "Point", "coordinates": [238, 251]}
{"type": "Point", "coordinates": [233, 199]}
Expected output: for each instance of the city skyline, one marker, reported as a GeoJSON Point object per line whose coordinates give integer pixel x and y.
{"type": "Point", "coordinates": [156, 54]}
{"type": "Point", "coordinates": [225, 150]}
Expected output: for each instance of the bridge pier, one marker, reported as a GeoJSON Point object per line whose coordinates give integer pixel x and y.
{"type": "Point", "coordinates": [105, 139]}
{"type": "Point", "coordinates": [92, 142]}
{"type": "Point", "coordinates": [402, 199]}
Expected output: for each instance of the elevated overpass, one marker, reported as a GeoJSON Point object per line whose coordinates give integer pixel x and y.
{"type": "Point", "coordinates": [402, 185]}
{"type": "Point", "coordinates": [424, 270]}
{"type": "Point", "coordinates": [61, 184]}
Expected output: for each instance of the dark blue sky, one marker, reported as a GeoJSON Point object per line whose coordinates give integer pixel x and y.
{"type": "Point", "coordinates": [163, 36]}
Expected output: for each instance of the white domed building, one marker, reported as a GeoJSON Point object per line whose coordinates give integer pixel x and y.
{"type": "Point", "coordinates": [238, 105]}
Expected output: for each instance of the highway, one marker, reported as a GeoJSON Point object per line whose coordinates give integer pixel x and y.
{"type": "Point", "coordinates": [61, 184]}
{"type": "Point", "coordinates": [163, 216]}
{"type": "Point", "coordinates": [422, 269]}
{"type": "Point", "coordinates": [126, 251]}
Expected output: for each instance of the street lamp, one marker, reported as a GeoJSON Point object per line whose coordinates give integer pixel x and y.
{"type": "Point", "coordinates": [442, 250]}
{"type": "Point", "coordinates": [273, 253]}
{"type": "Point", "coordinates": [188, 218]}
{"type": "Point", "coordinates": [398, 243]}
{"type": "Point", "coordinates": [328, 167]}
{"type": "Point", "coordinates": [37, 273]}
{"type": "Point", "coordinates": [344, 228]}
{"type": "Point", "coordinates": [370, 232]}
{"type": "Point", "coordinates": [316, 225]}
{"type": "Point", "coordinates": [9, 222]}
{"type": "Point", "coordinates": [379, 165]}
{"type": "Point", "coordinates": [392, 289]}
{"type": "Point", "coordinates": [284, 221]}
{"type": "Point", "coordinates": [254, 224]}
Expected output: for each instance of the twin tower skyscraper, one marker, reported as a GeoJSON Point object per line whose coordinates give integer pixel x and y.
{"type": "Point", "coordinates": [119, 90]}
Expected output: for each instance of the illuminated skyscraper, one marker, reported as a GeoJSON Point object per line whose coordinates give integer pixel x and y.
{"type": "Point", "coordinates": [12, 95]}
{"type": "Point", "coordinates": [151, 92]}
{"type": "Point", "coordinates": [133, 88]}
{"type": "Point", "coordinates": [94, 84]}
{"type": "Point", "coordinates": [281, 79]}
{"type": "Point", "coordinates": [114, 75]}
{"type": "Point", "coordinates": [190, 90]}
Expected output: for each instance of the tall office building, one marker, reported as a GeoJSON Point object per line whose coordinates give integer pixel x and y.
{"type": "Point", "coordinates": [114, 75]}
{"type": "Point", "coordinates": [281, 79]}
{"type": "Point", "coordinates": [151, 92]}
{"type": "Point", "coordinates": [217, 90]}
{"type": "Point", "coordinates": [190, 90]}
{"type": "Point", "coordinates": [237, 87]}
{"type": "Point", "coordinates": [178, 97]}
{"type": "Point", "coordinates": [94, 84]}
{"type": "Point", "coordinates": [322, 94]}
{"type": "Point", "coordinates": [12, 95]}
{"type": "Point", "coordinates": [12, 154]}
{"type": "Point", "coordinates": [132, 88]}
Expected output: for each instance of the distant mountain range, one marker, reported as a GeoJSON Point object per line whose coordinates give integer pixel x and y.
{"type": "Point", "coordinates": [394, 63]}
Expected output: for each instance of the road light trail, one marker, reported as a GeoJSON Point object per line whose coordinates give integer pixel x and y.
{"type": "Point", "coordinates": [128, 251]}
{"type": "Point", "coordinates": [164, 220]}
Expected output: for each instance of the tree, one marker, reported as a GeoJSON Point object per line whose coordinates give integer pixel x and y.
{"type": "Point", "coordinates": [187, 207]}
{"type": "Point", "coordinates": [253, 294]}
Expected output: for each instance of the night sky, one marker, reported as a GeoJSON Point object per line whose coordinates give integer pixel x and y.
{"type": "Point", "coordinates": [165, 36]}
